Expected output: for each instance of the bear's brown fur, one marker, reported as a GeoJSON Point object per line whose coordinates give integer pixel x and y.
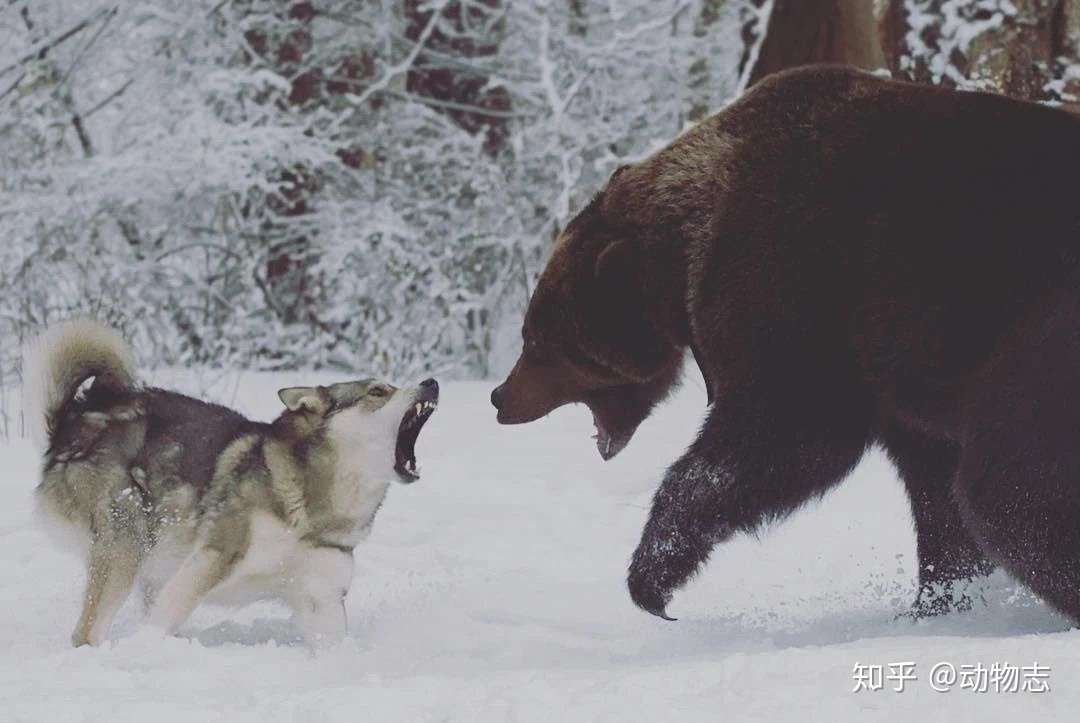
{"type": "Point", "coordinates": [852, 261]}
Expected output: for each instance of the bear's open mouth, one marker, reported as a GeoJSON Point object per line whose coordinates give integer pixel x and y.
{"type": "Point", "coordinates": [411, 424]}
{"type": "Point", "coordinates": [609, 442]}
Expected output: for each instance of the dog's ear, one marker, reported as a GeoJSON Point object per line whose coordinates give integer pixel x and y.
{"type": "Point", "coordinates": [303, 399]}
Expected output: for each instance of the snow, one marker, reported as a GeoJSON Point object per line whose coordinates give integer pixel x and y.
{"type": "Point", "coordinates": [493, 589]}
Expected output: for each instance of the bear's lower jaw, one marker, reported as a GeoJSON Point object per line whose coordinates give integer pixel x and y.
{"type": "Point", "coordinates": [609, 444]}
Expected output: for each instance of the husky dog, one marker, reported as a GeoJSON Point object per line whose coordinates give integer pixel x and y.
{"type": "Point", "coordinates": [192, 501]}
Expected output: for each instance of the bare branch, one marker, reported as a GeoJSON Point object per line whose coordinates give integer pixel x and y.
{"type": "Point", "coordinates": [41, 48]}
{"type": "Point", "coordinates": [395, 70]}
{"type": "Point", "coordinates": [447, 104]}
{"type": "Point", "coordinates": [13, 86]}
{"type": "Point", "coordinates": [109, 98]}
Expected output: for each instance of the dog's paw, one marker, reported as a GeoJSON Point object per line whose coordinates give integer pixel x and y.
{"type": "Point", "coordinates": [83, 636]}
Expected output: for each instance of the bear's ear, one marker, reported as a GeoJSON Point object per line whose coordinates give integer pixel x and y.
{"type": "Point", "coordinates": [619, 314]}
{"type": "Point", "coordinates": [303, 399]}
{"type": "Point", "coordinates": [618, 172]}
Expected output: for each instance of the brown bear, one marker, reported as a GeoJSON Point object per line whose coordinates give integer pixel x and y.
{"type": "Point", "coordinates": [852, 261]}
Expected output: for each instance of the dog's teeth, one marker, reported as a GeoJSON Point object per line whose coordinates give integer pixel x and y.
{"type": "Point", "coordinates": [419, 407]}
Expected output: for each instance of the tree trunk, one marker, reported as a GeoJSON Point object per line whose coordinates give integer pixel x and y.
{"type": "Point", "coordinates": [1016, 47]}
{"type": "Point", "coordinates": [801, 32]}
{"type": "Point", "coordinates": [1067, 53]}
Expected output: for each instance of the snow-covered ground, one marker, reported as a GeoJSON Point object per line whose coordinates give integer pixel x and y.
{"type": "Point", "coordinates": [493, 590]}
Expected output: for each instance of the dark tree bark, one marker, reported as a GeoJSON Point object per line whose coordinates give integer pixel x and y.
{"type": "Point", "coordinates": [464, 30]}
{"type": "Point", "coordinates": [1021, 56]}
{"type": "Point", "coordinates": [751, 30]}
{"type": "Point", "coordinates": [1067, 47]}
{"type": "Point", "coordinates": [801, 32]}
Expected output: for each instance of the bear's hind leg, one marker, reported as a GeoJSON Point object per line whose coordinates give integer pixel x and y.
{"type": "Point", "coordinates": [948, 556]}
{"type": "Point", "coordinates": [1018, 483]}
{"type": "Point", "coordinates": [1025, 513]}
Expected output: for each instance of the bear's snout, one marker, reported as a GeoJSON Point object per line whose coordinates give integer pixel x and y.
{"type": "Point", "coordinates": [523, 397]}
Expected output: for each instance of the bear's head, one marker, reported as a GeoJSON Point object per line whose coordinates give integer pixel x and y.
{"type": "Point", "coordinates": [593, 333]}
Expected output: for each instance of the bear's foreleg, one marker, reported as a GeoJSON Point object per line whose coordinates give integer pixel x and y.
{"type": "Point", "coordinates": [750, 463]}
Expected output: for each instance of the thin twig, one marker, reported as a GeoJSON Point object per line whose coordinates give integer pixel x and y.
{"type": "Point", "coordinates": [89, 43]}
{"type": "Point", "coordinates": [451, 105]}
{"type": "Point", "coordinates": [13, 86]}
{"type": "Point", "coordinates": [46, 45]}
{"type": "Point", "coordinates": [109, 98]}
{"type": "Point", "coordinates": [402, 67]}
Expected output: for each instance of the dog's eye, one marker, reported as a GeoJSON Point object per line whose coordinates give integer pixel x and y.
{"type": "Point", "coordinates": [378, 392]}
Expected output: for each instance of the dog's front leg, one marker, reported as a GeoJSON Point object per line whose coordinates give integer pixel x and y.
{"type": "Point", "coordinates": [110, 575]}
{"type": "Point", "coordinates": [317, 596]}
{"type": "Point", "coordinates": [320, 620]}
{"type": "Point", "coordinates": [204, 568]}
{"type": "Point", "coordinates": [755, 460]}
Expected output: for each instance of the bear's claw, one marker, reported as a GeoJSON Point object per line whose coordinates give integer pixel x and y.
{"type": "Point", "coordinates": [647, 597]}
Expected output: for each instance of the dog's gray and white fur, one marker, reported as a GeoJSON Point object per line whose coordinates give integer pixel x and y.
{"type": "Point", "coordinates": [191, 501]}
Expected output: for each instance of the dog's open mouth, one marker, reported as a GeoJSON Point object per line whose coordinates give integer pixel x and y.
{"type": "Point", "coordinates": [411, 424]}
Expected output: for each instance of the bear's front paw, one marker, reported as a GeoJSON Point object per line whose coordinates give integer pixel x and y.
{"type": "Point", "coordinates": [646, 590]}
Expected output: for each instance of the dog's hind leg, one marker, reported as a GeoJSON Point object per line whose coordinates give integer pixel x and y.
{"type": "Point", "coordinates": [217, 551]}
{"type": "Point", "coordinates": [113, 562]}
{"type": "Point", "coordinates": [203, 569]}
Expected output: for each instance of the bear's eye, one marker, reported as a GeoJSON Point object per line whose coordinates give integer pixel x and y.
{"type": "Point", "coordinates": [539, 354]}
{"type": "Point", "coordinates": [379, 391]}
{"type": "Point", "coordinates": [533, 348]}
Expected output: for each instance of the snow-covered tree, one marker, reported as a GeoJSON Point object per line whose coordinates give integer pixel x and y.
{"type": "Point", "coordinates": [367, 185]}
{"type": "Point", "coordinates": [1023, 48]}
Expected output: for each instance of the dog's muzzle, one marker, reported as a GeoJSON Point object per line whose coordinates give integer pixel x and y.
{"type": "Point", "coordinates": [423, 406]}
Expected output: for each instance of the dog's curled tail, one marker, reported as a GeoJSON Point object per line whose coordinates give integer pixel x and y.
{"type": "Point", "coordinates": [58, 361]}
